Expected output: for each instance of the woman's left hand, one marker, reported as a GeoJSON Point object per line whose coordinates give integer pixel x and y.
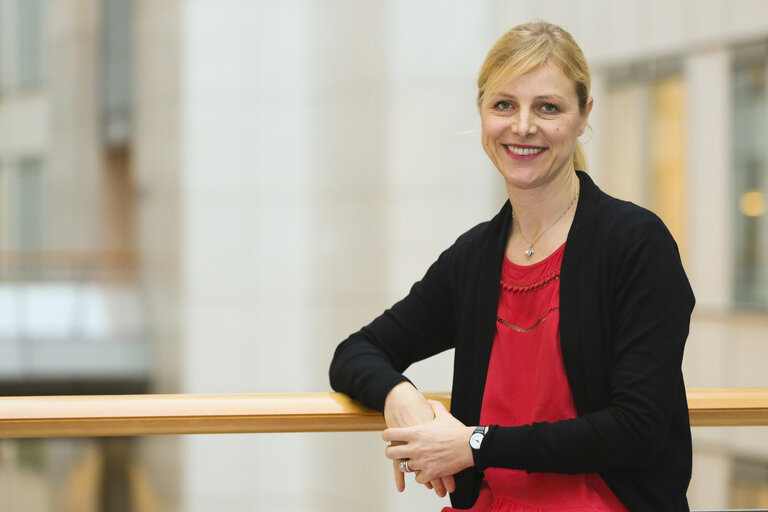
{"type": "Point", "coordinates": [434, 450]}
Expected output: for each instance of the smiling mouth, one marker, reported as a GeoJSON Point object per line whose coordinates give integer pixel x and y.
{"type": "Point", "coordinates": [520, 151]}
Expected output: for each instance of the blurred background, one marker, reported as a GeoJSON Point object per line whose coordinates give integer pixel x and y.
{"type": "Point", "coordinates": [206, 196]}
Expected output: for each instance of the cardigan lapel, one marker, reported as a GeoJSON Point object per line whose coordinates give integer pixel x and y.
{"type": "Point", "coordinates": [489, 272]}
{"type": "Point", "coordinates": [575, 257]}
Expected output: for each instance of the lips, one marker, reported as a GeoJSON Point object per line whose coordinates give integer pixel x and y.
{"type": "Point", "coordinates": [523, 152]}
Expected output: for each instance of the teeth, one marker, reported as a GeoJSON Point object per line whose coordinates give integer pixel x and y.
{"type": "Point", "coordinates": [524, 151]}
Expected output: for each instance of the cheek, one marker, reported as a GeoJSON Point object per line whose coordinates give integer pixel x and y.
{"type": "Point", "coordinates": [491, 132]}
{"type": "Point", "coordinates": [562, 133]}
{"type": "Point", "coordinates": [486, 132]}
{"type": "Point", "coordinates": [486, 143]}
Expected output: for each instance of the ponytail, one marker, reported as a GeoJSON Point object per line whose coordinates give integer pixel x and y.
{"type": "Point", "coordinates": [579, 160]}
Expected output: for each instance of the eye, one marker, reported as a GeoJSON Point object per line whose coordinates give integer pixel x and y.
{"type": "Point", "coordinates": [503, 105]}
{"type": "Point", "coordinates": [549, 108]}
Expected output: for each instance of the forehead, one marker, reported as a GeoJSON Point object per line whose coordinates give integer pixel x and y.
{"type": "Point", "coordinates": [546, 80]}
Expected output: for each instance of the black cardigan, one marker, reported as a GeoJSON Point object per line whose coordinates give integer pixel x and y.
{"type": "Point", "coordinates": [625, 306]}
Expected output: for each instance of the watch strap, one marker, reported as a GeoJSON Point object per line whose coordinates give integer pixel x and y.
{"type": "Point", "coordinates": [480, 429]}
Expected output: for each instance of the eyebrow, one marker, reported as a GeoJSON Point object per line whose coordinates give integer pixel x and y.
{"type": "Point", "coordinates": [550, 97]}
{"type": "Point", "coordinates": [537, 98]}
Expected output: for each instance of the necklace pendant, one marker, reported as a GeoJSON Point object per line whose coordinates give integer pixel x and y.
{"type": "Point", "coordinates": [529, 251]}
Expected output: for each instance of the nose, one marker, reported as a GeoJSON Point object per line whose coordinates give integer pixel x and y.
{"type": "Point", "coordinates": [523, 124]}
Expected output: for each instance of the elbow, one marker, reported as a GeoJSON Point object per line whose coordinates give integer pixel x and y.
{"type": "Point", "coordinates": [644, 435]}
{"type": "Point", "coordinates": [336, 379]}
{"type": "Point", "coordinates": [335, 374]}
{"type": "Point", "coordinates": [642, 450]}
{"type": "Point", "coordinates": [645, 454]}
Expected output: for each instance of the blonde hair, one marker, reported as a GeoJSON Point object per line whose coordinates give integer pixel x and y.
{"type": "Point", "coordinates": [527, 47]}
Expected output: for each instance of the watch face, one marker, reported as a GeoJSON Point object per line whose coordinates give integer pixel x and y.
{"type": "Point", "coordinates": [475, 441]}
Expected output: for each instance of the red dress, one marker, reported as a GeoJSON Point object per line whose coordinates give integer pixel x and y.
{"type": "Point", "coordinates": [527, 383]}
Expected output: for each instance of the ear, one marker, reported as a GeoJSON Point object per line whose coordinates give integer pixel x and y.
{"type": "Point", "coordinates": [590, 104]}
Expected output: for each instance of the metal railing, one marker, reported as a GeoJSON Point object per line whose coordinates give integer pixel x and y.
{"type": "Point", "coordinates": [139, 415]}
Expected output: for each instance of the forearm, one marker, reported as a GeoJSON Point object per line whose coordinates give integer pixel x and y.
{"type": "Point", "coordinates": [369, 363]}
{"type": "Point", "coordinates": [606, 440]}
{"type": "Point", "coordinates": [364, 373]}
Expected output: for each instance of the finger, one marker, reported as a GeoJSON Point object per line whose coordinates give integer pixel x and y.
{"type": "Point", "coordinates": [449, 483]}
{"type": "Point", "coordinates": [399, 476]}
{"type": "Point", "coordinates": [396, 434]}
{"type": "Point", "coordinates": [397, 452]}
{"type": "Point", "coordinates": [421, 477]}
{"type": "Point", "coordinates": [439, 487]}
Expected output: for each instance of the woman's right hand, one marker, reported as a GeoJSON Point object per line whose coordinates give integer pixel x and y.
{"type": "Point", "coordinates": [405, 406]}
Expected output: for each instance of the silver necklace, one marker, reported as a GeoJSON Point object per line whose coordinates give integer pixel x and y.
{"type": "Point", "coordinates": [529, 251]}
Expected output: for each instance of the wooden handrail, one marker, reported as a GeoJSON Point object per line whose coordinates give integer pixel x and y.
{"type": "Point", "coordinates": [728, 407]}
{"type": "Point", "coordinates": [136, 415]}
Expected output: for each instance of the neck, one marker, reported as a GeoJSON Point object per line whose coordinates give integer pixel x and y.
{"type": "Point", "coordinates": [536, 209]}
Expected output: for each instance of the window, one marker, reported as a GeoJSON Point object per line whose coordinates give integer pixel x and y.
{"type": "Point", "coordinates": [645, 150]}
{"type": "Point", "coordinates": [750, 181]}
{"type": "Point", "coordinates": [625, 132]}
{"type": "Point", "coordinates": [30, 30]}
{"type": "Point", "coordinates": [29, 215]}
{"type": "Point", "coordinates": [3, 46]}
{"type": "Point", "coordinates": [668, 180]}
{"type": "Point", "coordinates": [5, 209]}
{"type": "Point", "coordinates": [116, 72]}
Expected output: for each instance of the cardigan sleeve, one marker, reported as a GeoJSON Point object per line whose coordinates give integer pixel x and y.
{"type": "Point", "coordinates": [651, 307]}
{"type": "Point", "coordinates": [370, 362]}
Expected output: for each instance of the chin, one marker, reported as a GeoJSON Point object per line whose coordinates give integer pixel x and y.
{"type": "Point", "coordinates": [522, 179]}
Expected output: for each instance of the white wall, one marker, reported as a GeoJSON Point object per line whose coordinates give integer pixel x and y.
{"type": "Point", "coordinates": [245, 244]}
{"type": "Point", "coordinates": [305, 167]}
{"type": "Point", "coordinates": [158, 168]}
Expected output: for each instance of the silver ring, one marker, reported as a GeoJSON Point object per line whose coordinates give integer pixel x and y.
{"type": "Point", "coordinates": [404, 466]}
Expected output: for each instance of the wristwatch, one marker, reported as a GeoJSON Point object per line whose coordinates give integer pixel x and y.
{"type": "Point", "coordinates": [475, 441]}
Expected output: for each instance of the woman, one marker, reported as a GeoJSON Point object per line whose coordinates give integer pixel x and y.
{"type": "Point", "coordinates": [568, 311]}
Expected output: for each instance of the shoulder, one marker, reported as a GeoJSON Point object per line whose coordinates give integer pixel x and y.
{"type": "Point", "coordinates": [485, 235]}
{"type": "Point", "coordinates": [619, 221]}
{"type": "Point", "coordinates": [629, 221]}
{"type": "Point", "coordinates": [618, 238]}
{"type": "Point", "coordinates": [634, 241]}
{"type": "Point", "coordinates": [475, 253]}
